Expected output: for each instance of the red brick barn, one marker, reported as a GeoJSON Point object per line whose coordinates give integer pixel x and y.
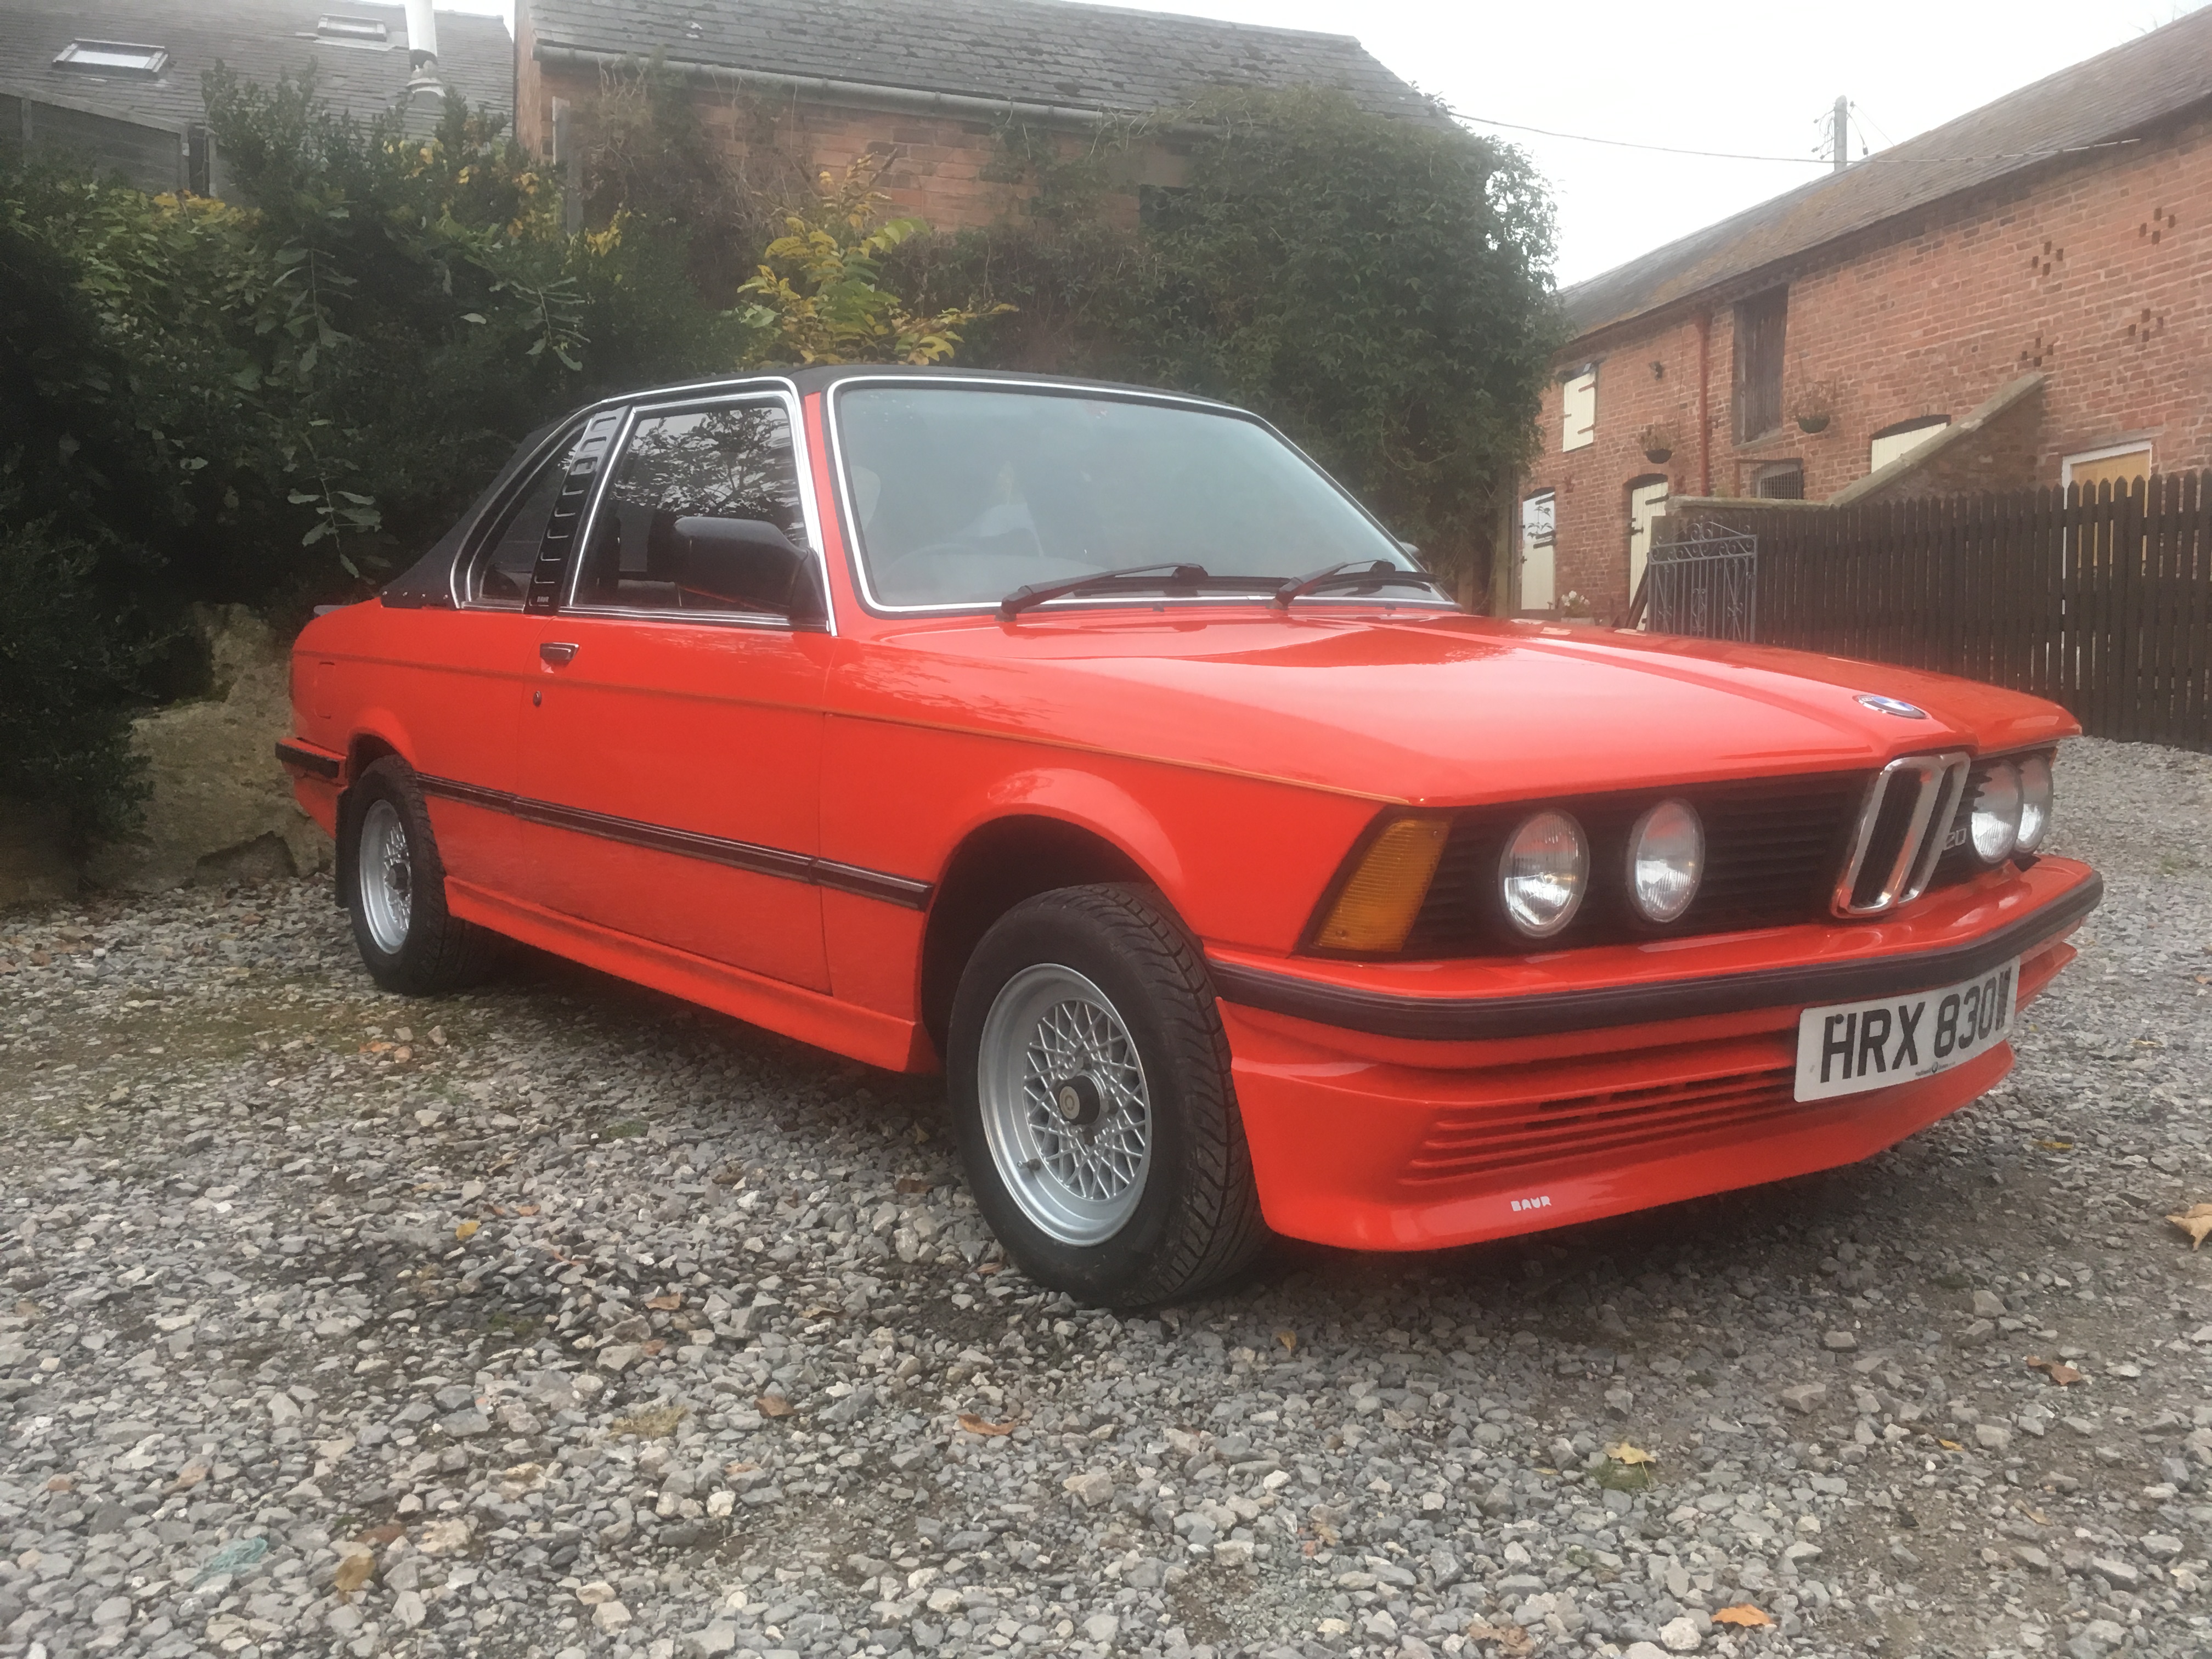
{"type": "Point", "coordinates": [931, 83]}
{"type": "Point", "coordinates": [2021, 296]}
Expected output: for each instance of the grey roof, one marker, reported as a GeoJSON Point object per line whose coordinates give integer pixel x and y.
{"type": "Point", "coordinates": [2158, 76]}
{"type": "Point", "coordinates": [1033, 52]}
{"type": "Point", "coordinates": [259, 39]}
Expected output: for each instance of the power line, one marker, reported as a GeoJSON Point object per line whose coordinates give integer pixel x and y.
{"type": "Point", "coordinates": [1799, 160]}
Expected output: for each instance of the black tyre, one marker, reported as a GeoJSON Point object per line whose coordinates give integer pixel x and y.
{"type": "Point", "coordinates": [394, 888]}
{"type": "Point", "coordinates": [1092, 1101]}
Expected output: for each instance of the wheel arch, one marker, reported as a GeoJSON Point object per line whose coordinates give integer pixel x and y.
{"type": "Point", "coordinates": [996, 866]}
{"type": "Point", "coordinates": [367, 746]}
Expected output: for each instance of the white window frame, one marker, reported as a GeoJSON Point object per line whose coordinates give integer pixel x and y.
{"type": "Point", "coordinates": [154, 59]}
{"type": "Point", "coordinates": [2110, 452]}
{"type": "Point", "coordinates": [1579, 388]}
{"type": "Point", "coordinates": [335, 28]}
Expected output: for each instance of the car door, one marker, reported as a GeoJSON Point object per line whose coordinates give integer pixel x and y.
{"type": "Point", "coordinates": [671, 748]}
{"type": "Point", "coordinates": [458, 701]}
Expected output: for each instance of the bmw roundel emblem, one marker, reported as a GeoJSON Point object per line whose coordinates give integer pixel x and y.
{"type": "Point", "coordinates": [1881, 705]}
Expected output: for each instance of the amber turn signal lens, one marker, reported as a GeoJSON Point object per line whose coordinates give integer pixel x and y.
{"type": "Point", "coordinates": [1376, 909]}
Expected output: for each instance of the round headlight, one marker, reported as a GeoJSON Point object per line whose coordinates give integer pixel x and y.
{"type": "Point", "coordinates": [2034, 801]}
{"type": "Point", "coordinates": [1544, 872]}
{"type": "Point", "coordinates": [1666, 857]}
{"type": "Point", "coordinates": [1995, 823]}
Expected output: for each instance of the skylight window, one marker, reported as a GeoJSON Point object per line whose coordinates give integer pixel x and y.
{"type": "Point", "coordinates": [358, 31]}
{"type": "Point", "coordinates": [111, 57]}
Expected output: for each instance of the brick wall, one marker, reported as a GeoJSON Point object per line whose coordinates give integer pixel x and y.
{"type": "Point", "coordinates": [945, 168]}
{"type": "Point", "coordinates": [2100, 275]}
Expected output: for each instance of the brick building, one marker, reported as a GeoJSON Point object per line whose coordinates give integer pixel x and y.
{"type": "Point", "coordinates": [2021, 296]}
{"type": "Point", "coordinates": [931, 83]}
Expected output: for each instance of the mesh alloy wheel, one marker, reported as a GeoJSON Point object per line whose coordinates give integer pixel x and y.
{"type": "Point", "coordinates": [386, 876]}
{"type": "Point", "coordinates": [1065, 1108]}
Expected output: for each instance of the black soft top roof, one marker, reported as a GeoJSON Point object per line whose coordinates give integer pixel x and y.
{"type": "Point", "coordinates": [429, 580]}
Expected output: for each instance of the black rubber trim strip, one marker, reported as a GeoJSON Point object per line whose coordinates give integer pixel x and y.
{"type": "Point", "coordinates": [685, 843]}
{"type": "Point", "coordinates": [308, 760]}
{"type": "Point", "coordinates": [1463, 1019]}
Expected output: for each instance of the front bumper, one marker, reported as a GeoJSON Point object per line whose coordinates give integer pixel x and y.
{"type": "Point", "coordinates": [1414, 1106]}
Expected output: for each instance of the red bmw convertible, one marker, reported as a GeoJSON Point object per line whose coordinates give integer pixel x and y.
{"type": "Point", "coordinates": [1089, 743]}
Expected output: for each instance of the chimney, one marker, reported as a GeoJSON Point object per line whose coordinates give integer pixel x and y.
{"type": "Point", "coordinates": [423, 82]}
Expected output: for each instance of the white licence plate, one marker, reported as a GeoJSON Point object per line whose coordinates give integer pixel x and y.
{"type": "Point", "coordinates": [1849, 1047]}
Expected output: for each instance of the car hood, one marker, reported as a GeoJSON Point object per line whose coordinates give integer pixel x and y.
{"type": "Point", "coordinates": [1435, 709]}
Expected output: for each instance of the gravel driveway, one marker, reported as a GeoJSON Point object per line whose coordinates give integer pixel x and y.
{"type": "Point", "coordinates": [562, 1319]}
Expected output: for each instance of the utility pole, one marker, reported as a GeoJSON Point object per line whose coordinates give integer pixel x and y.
{"type": "Point", "coordinates": [1839, 153]}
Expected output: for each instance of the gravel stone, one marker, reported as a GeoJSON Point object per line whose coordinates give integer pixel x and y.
{"type": "Point", "coordinates": [698, 1381]}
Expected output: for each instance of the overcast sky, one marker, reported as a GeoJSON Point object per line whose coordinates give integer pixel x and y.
{"type": "Point", "coordinates": [1739, 76]}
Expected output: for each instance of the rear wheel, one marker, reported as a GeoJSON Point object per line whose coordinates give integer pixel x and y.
{"type": "Point", "coordinates": [394, 887]}
{"type": "Point", "coordinates": [1092, 1099]}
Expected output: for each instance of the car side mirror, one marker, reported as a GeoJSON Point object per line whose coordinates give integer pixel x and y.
{"type": "Point", "coordinates": [744, 564]}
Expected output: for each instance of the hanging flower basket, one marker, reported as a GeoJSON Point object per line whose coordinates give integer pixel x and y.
{"type": "Point", "coordinates": [1657, 443]}
{"type": "Point", "coordinates": [1816, 403]}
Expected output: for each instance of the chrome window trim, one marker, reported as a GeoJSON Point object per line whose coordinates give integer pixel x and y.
{"type": "Point", "coordinates": [849, 528]}
{"type": "Point", "coordinates": [782, 391]}
{"type": "Point", "coordinates": [753, 619]}
{"type": "Point", "coordinates": [1942, 777]}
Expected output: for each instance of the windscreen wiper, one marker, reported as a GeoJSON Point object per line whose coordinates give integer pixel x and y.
{"type": "Point", "coordinates": [1353, 572]}
{"type": "Point", "coordinates": [1190, 578]}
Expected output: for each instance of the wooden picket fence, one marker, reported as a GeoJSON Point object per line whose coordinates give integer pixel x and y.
{"type": "Point", "coordinates": [2099, 600]}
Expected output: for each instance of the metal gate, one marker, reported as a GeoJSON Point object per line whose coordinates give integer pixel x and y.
{"type": "Point", "coordinates": [1703, 579]}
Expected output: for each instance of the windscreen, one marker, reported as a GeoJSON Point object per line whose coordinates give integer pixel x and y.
{"type": "Point", "coordinates": [964, 494]}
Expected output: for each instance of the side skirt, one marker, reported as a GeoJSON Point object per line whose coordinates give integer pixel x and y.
{"type": "Point", "coordinates": [862, 1034]}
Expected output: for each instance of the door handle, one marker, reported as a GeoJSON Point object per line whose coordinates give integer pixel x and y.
{"type": "Point", "coordinates": [556, 655]}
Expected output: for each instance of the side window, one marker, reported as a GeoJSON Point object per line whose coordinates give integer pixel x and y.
{"type": "Point", "coordinates": [701, 515]}
{"type": "Point", "coordinates": [499, 572]}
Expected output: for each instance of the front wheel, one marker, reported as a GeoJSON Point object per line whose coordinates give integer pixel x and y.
{"type": "Point", "coordinates": [394, 887]}
{"type": "Point", "coordinates": [1092, 1101]}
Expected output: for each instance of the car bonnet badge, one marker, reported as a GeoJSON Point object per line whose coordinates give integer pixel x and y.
{"type": "Point", "coordinates": [1881, 705]}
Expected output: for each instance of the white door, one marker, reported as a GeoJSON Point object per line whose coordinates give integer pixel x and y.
{"type": "Point", "coordinates": [1645, 503]}
{"type": "Point", "coordinates": [1537, 544]}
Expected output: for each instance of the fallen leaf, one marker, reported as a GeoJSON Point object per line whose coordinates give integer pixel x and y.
{"type": "Point", "coordinates": [1949, 1445]}
{"type": "Point", "coordinates": [738, 1469]}
{"type": "Point", "coordinates": [2058, 1371]}
{"type": "Point", "coordinates": [654, 1346]}
{"type": "Point", "coordinates": [668, 1303]}
{"type": "Point", "coordinates": [354, 1572]}
{"type": "Point", "coordinates": [1511, 1639]}
{"type": "Point", "coordinates": [525, 1209]}
{"type": "Point", "coordinates": [2196, 1221]}
{"type": "Point", "coordinates": [1632, 1456]}
{"type": "Point", "coordinates": [2056, 1145]}
{"type": "Point", "coordinates": [822, 1313]}
{"type": "Point", "coordinates": [990, 1267]}
{"type": "Point", "coordinates": [914, 1184]}
{"type": "Point", "coordinates": [467, 1230]}
{"type": "Point", "coordinates": [775, 1405]}
{"type": "Point", "coordinates": [1289, 1340]}
{"type": "Point", "coordinates": [61, 1483]}
{"type": "Point", "coordinates": [389, 1532]}
{"type": "Point", "coordinates": [1744, 1614]}
{"type": "Point", "coordinates": [975, 1425]}
{"type": "Point", "coordinates": [189, 1476]}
